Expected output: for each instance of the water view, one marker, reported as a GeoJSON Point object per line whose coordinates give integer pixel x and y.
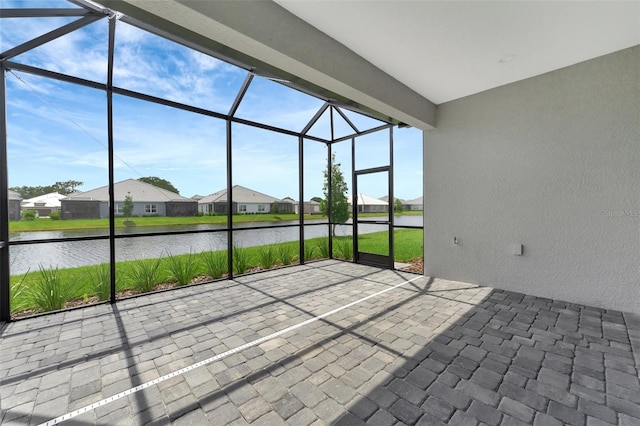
{"type": "Point", "coordinates": [26, 258]}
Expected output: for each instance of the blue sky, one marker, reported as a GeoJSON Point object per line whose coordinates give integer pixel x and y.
{"type": "Point", "coordinates": [58, 131]}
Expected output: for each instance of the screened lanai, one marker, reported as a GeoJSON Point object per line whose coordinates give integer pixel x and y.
{"type": "Point", "coordinates": [179, 165]}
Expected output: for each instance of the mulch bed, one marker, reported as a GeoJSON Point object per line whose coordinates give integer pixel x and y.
{"type": "Point", "coordinates": [416, 265]}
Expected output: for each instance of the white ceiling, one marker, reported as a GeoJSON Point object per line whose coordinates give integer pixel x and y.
{"type": "Point", "coordinates": [446, 50]}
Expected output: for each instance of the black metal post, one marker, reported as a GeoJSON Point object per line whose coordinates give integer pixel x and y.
{"type": "Point", "coordinates": [301, 197]}
{"type": "Point", "coordinates": [329, 204]}
{"type": "Point", "coordinates": [5, 273]}
{"type": "Point", "coordinates": [392, 203]}
{"type": "Point", "coordinates": [354, 202]}
{"type": "Point", "coordinates": [229, 203]}
{"type": "Point", "coordinates": [112, 201]}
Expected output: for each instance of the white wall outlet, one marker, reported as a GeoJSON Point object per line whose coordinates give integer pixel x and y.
{"type": "Point", "coordinates": [517, 249]}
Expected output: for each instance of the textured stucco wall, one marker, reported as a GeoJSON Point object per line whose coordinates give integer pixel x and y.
{"type": "Point", "coordinates": [553, 163]}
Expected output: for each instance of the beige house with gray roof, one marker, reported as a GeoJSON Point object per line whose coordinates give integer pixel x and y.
{"type": "Point", "coordinates": [245, 201]}
{"type": "Point", "coordinates": [368, 204]}
{"type": "Point", "coordinates": [148, 200]}
{"type": "Point", "coordinates": [416, 204]}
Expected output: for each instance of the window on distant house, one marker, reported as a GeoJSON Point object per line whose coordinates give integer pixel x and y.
{"type": "Point", "coordinates": [150, 208]}
{"type": "Point", "coordinates": [261, 207]}
{"type": "Point", "coordinates": [117, 208]}
{"type": "Point", "coordinates": [242, 208]}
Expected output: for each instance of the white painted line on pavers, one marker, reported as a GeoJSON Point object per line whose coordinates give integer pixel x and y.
{"type": "Point", "coordinates": [218, 357]}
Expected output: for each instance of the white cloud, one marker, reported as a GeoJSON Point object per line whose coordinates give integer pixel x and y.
{"type": "Point", "coordinates": [186, 148]}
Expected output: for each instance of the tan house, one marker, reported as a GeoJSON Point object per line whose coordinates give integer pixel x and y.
{"type": "Point", "coordinates": [245, 201]}
{"type": "Point", "coordinates": [368, 204]}
{"type": "Point", "coordinates": [148, 200]}
{"type": "Point", "coordinates": [417, 204]}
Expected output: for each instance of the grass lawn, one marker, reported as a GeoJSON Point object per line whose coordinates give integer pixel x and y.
{"type": "Point", "coordinates": [69, 224]}
{"type": "Point", "coordinates": [53, 289]}
{"type": "Point", "coordinates": [44, 224]}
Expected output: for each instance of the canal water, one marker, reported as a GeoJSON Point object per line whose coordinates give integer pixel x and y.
{"type": "Point", "coordinates": [24, 258]}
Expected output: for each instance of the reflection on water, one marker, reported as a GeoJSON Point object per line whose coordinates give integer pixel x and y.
{"type": "Point", "coordinates": [26, 258]}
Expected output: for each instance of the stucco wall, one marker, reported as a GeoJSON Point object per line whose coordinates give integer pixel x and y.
{"type": "Point", "coordinates": [553, 163]}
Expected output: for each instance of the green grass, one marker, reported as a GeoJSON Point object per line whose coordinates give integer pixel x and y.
{"type": "Point", "coordinates": [143, 275]}
{"type": "Point", "coordinates": [44, 224]}
{"type": "Point", "coordinates": [408, 244]}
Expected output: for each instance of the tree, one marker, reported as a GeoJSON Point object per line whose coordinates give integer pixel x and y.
{"type": "Point", "coordinates": [127, 207]}
{"type": "Point", "coordinates": [397, 206]}
{"type": "Point", "coordinates": [160, 183]}
{"type": "Point", "coordinates": [317, 199]}
{"type": "Point", "coordinates": [65, 188]}
{"type": "Point", "coordinates": [339, 198]}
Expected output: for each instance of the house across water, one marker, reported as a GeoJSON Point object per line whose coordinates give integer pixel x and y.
{"type": "Point", "coordinates": [148, 200]}
{"type": "Point", "coordinates": [244, 201]}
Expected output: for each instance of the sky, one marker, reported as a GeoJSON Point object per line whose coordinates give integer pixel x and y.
{"type": "Point", "coordinates": [57, 131]}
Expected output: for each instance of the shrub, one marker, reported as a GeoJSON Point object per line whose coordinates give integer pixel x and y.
{"type": "Point", "coordinates": [182, 268]}
{"type": "Point", "coordinates": [200, 214]}
{"type": "Point", "coordinates": [215, 263]}
{"type": "Point", "coordinates": [267, 256]}
{"type": "Point", "coordinates": [240, 260]}
{"type": "Point", "coordinates": [48, 293]}
{"type": "Point", "coordinates": [54, 215]}
{"type": "Point", "coordinates": [145, 274]}
{"type": "Point", "coordinates": [29, 215]}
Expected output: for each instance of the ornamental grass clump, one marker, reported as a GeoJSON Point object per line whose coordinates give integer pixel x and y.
{"type": "Point", "coordinates": [240, 260]}
{"type": "Point", "coordinates": [267, 255]}
{"type": "Point", "coordinates": [48, 292]}
{"type": "Point", "coordinates": [101, 281]}
{"type": "Point", "coordinates": [145, 274]}
{"type": "Point", "coordinates": [344, 247]}
{"type": "Point", "coordinates": [323, 248]}
{"type": "Point", "coordinates": [18, 294]}
{"type": "Point", "coordinates": [285, 253]}
{"type": "Point", "coordinates": [309, 251]}
{"type": "Point", "coordinates": [182, 269]}
{"type": "Point", "coordinates": [215, 263]}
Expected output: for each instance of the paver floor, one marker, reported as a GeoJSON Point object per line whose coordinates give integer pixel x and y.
{"type": "Point", "coordinates": [426, 352]}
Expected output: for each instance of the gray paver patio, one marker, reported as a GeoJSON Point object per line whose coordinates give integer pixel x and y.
{"type": "Point", "coordinates": [429, 352]}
